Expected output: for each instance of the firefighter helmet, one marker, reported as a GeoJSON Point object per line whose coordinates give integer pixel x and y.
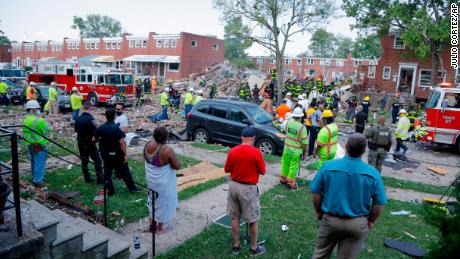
{"type": "Point", "coordinates": [74, 89]}
{"type": "Point", "coordinates": [367, 98]}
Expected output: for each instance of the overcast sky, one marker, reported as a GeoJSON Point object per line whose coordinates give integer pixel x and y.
{"type": "Point", "coordinates": [51, 19]}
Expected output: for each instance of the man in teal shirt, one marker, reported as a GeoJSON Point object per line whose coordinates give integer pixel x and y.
{"type": "Point", "coordinates": [348, 196]}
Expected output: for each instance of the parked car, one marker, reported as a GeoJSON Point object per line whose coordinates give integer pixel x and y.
{"type": "Point", "coordinates": [42, 97]}
{"type": "Point", "coordinates": [16, 87]}
{"type": "Point", "coordinates": [223, 120]}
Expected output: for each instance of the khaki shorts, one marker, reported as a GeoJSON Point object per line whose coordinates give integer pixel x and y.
{"type": "Point", "coordinates": [243, 199]}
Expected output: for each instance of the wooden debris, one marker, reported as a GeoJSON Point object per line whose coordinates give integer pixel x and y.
{"type": "Point", "coordinates": [438, 170]}
{"type": "Point", "coordinates": [116, 214]}
{"type": "Point", "coordinates": [200, 173]}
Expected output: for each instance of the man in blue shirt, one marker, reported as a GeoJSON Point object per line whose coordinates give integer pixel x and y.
{"type": "Point", "coordinates": [348, 197]}
{"type": "Point", "coordinates": [315, 119]}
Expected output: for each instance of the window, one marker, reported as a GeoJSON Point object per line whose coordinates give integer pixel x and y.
{"type": "Point", "coordinates": [87, 45]}
{"type": "Point", "coordinates": [114, 45]}
{"type": "Point", "coordinates": [118, 45]}
{"type": "Point", "coordinates": [165, 43]}
{"type": "Point", "coordinates": [453, 100]}
{"type": "Point", "coordinates": [371, 72]}
{"type": "Point", "coordinates": [81, 76]}
{"type": "Point", "coordinates": [260, 61]}
{"type": "Point", "coordinates": [322, 62]}
{"type": "Point", "coordinates": [425, 77]}
{"type": "Point", "coordinates": [398, 43]}
{"type": "Point", "coordinates": [144, 43]}
{"type": "Point", "coordinates": [194, 43]}
{"type": "Point", "coordinates": [107, 45]}
{"type": "Point", "coordinates": [273, 61]}
{"type": "Point", "coordinates": [215, 46]}
{"type": "Point", "coordinates": [386, 73]}
{"type": "Point", "coordinates": [126, 79]}
{"type": "Point", "coordinates": [288, 72]}
{"type": "Point", "coordinates": [129, 64]}
{"type": "Point", "coordinates": [339, 63]}
{"type": "Point", "coordinates": [159, 43]}
{"type": "Point", "coordinates": [173, 67]}
{"type": "Point", "coordinates": [288, 61]}
{"type": "Point", "coordinates": [89, 78]}
{"type": "Point", "coordinates": [131, 44]}
{"type": "Point", "coordinates": [137, 43]}
{"type": "Point", "coordinates": [457, 77]}
{"type": "Point", "coordinates": [310, 61]}
{"type": "Point", "coordinates": [173, 44]}
{"type": "Point", "coordinates": [220, 112]}
{"type": "Point", "coordinates": [100, 79]}
{"type": "Point", "coordinates": [310, 72]}
{"type": "Point", "coordinates": [202, 107]}
{"type": "Point", "coordinates": [236, 115]}
{"type": "Point", "coordinates": [433, 100]}
{"type": "Point", "coordinates": [357, 63]}
{"type": "Point", "coordinates": [299, 61]}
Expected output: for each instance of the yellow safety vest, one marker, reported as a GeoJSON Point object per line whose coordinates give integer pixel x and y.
{"type": "Point", "coordinates": [402, 130]}
{"type": "Point", "coordinates": [76, 101]}
{"type": "Point", "coordinates": [37, 124]}
{"type": "Point", "coordinates": [164, 99]}
{"type": "Point", "coordinates": [197, 99]}
{"type": "Point", "coordinates": [188, 98]}
{"type": "Point", "coordinates": [327, 139]}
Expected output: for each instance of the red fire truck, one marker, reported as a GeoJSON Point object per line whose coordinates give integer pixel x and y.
{"type": "Point", "coordinates": [442, 116]}
{"type": "Point", "coordinates": [97, 84]}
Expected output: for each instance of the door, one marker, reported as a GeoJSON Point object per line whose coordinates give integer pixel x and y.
{"type": "Point", "coordinates": [448, 119]}
{"type": "Point", "coordinates": [217, 122]}
{"type": "Point", "coordinates": [406, 79]}
{"type": "Point", "coordinates": [235, 125]}
{"type": "Point", "coordinates": [161, 70]}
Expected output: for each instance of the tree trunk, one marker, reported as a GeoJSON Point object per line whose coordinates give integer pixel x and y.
{"type": "Point", "coordinates": [434, 66]}
{"type": "Point", "coordinates": [279, 76]}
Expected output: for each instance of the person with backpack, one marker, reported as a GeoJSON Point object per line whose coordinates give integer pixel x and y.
{"type": "Point", "coordinates": [379, 142]}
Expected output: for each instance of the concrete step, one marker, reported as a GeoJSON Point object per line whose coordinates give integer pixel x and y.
{"type": "Point", "coordinates": [117, 247]}
{"type": "Point", "coordinates": [95, 243]}
{"type": "Point", "coordinates": [41, 219]}
{"type": "Point", "coordinates": [69, 241]}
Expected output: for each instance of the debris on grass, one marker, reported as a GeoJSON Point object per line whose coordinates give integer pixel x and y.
{"type": "Point", "coordinates": [401, 213]}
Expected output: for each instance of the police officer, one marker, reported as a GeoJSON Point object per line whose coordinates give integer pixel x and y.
{"type": "Point", "coordinates": [34, 130]}
{"type": "Point", "coordinates": [85, 126]}
{"type": "Point", "coordinates": [379, 139]}
{"type": "Point", "coordinates": [395, 109]}
{"type": "Point", "coordinates": [112, 147]}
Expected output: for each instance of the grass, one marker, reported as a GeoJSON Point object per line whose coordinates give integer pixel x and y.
{"type": "Point", "coordinates": [295, 210]}
{"type": "Point", "coordinates": [131, 206]}
{"type": "Point", "coordinates": [415, 186]}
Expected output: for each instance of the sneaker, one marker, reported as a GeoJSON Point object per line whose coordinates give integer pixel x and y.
{"type": "Point", "coordinates": [236, 250]}
{"type": "Point", "coordinates": [259, 250]}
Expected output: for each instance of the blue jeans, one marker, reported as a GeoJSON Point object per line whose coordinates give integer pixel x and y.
{"type": "Point", "coordinates": [75, 114]}
{"type": "Point", "coordinates": [164, 112]}
{"type": "Point", "coordinates": [313, 134]}
{"type": "Point", "coordinates": [188, 108]}
{"type": "Point", "coordinates": [37, 164]}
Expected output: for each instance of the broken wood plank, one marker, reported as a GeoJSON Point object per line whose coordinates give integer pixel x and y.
{"type": "Point", "coordinates": [438, 170]}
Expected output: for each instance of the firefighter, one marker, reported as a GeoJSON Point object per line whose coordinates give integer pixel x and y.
{"type": "Point", "coordinates": [175, 100]}
{"type": "Point", "coordinates": [402, 131]}
{"type": "Point", "coordinates": [352, 104]}
{"type": "Point", "coordinates": [35, 130]}
{"type": "Point", "coordinates": [153, 83]}
{"type": "Point", "coordinates": [255, 94]}
{"type": "Point", "coordinates": [297, 91]}
{"type": "Point", "coordinates": [139, 89]}
{"type": "Point", "coordinates": [171, 84]}
{"type": "Point", "coordinates": [245, 92]}
{"type": "Point", "coordinates": [379, 143]}
{"type": "Point", "coordinates": [319, 84]}
{"type": "Point", "coordinates": [395, 109]}
{"type": "Point", "coordinates": [199, 97]}
{"type": "Point", "coordinates": [294, 146]}
{"type": "Point", "coordinates": [273, 74]}
{"type": "Point", "coordinates": [75, 103]}
{"type": "Point", "coordinates": [3, 92]}
{"type": "Point", "coordinates": [329, 101]}
{"type": "Point", "coordinates": [188, 101]}
{"type": "Point", "coordinates": [366, 104]}
{"type": "Point", "coordinates": [326, 146]}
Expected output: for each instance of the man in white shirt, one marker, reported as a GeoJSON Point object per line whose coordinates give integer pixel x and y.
{"type": "Point", "coordinates": [302, 101]}
{"type": "Point", "coordinates": [121, 118]}
{"type": "Point", "coordinates": [288, 100]}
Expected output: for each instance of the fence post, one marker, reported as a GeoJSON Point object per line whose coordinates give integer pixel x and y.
{"type": "Point", "coordinates": [154, 195]}
{"type": "Point", "coordinates": [15, 167]}
{"type": "Point", "coordinates": [105, 203]}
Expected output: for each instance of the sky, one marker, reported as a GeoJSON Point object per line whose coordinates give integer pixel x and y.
{"type": "Point", "coordinates": [31, 20]}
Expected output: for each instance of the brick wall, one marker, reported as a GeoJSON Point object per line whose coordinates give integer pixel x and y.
{"type": "Point", "coordinates": [5, 53]}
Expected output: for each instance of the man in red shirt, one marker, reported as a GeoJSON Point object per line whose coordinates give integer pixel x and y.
{"type": "Point", "coordinates": [245, 163]}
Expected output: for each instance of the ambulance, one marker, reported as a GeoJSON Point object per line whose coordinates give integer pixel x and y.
{"type": "Point", "coordinates": [98, 84]}
{"type": "Point", "coordinates": [442, 116]}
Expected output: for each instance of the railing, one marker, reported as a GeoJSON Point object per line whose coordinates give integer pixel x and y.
{"type": "Point", "coordinates": [12, 169]}
{"type": "Point", "coordinates": [152, 193]}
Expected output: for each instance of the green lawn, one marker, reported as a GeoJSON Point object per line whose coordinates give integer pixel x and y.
{"type": "Point", "coordinates": [415, 186]}
{"type": "Point", "coordinates": [295, 210]}
{"type": "Point", "coordinates": [131, 206]}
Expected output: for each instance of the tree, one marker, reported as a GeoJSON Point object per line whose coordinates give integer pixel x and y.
{"type": "Point", "coordinates": [95, 26]}
{"type": "Point", "coordinates": [367, 47]}
{"type": "Point", "coordinates": [424, 25]}
{"type": "Point", "coordinates": [344, 46]}
{"type": "Point", "coordinates": [274, 22]}
{"type": "Point", "coordinates": [3, 39]}
{"type": "Point", "coordinates": [322, 43]}
{"type": "Point", "coordinates": [235, 46]}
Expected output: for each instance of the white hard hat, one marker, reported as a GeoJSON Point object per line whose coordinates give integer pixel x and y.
{"type": "Point", "coordinates": [402, 111]}
{"type": "Point", "coordinates": [32, 83]}
{"type": "Point", "coordinates": [297, 112]}
{"type": "Point", "coordinates": [301, 97]}
{"type": "Point", "coordinates": [190, 89]}
{"type": "Point", "coordinates": [200, 91]}
{"type": "Point", "coordinates": [74, 89]}
{"type": "Point", "coordinates": [289, 94]}
{"type": "Point", "coordinates": [167, 89]}
{"type": "Point", "coordinates": [32, 104]}
{"type": "Point", "coordinates": [53, 83]}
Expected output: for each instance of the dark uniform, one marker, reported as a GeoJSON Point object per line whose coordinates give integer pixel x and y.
{"type": "Point", "coordinates": [361, 119]}
{"type": "Point", "coordinates": [85, 126]}
{"type": "Point", "coordinates": [366, 105]}
{"type": "Point", "coordinates": [379, 144]}
{"type": "Point", "coordinates": [395, 110]}
{"type": "Point", "coordinates": [108, 135]}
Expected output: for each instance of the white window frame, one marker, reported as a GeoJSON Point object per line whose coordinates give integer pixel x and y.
{"type": "Point", "coordinates": [144, 44]}
{"type": "Point", "coordinates": [310, 61]}
{"type": "Point", "coordinates": [165, 43]}
{"type": "Point", "coordinates": [389, 73]}
{"type": "Point", "coordinates": [159, 43]}
{"type": "Point", "coordinates": [118, 45]}
{"type": "Point", "coordinates": [339, 63]}
{"type": "Point", "coordinates": [137, 44]}
{"type": "Point", "coordinates": [215, 46]}
{"type": "Point", "coordinates": [131, 44]}
{"type": "Point", "coordinates": [173, 70]}
{"type": "Point", "coordinates": [299, 61]}
{"type": "Point", "coordinates": [114, 45]}
{"type": "Point", "coordinates": [307, 72]}
{"type": "Point", "coordinates": [420, 78]}
{"type": "Point", "coordinates": [398, 46]}
{"type": "Point", "coordinates": [288, 74]}
{"type": "Point", "coordinates": [322, 62]}
{"type": "Point", "coordinates": [288, 61]}
{"type": "Point", "coordinates": [260, 61]}
{"type": "Point", "coordinates": [356, 63]}
{"type": "Point", "coordinates": [371, 68]}
{"type": "Point", "coordinates": [108, 45]}
{"type": "Point", "coordinates": [328, 62]}
{"type": "Point", "coordinates": [87, 45]}
{"type": "Point", "coordinates": [174, 43]}
{"type": "Point", "coordinates": [273, 61]}
{"type": "Point", "coordinates": [194, 45]}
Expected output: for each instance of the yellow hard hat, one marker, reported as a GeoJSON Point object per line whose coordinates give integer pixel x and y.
{"type": "Point", "coordinates": [367, 98]}
{"type": "Point", "coordinates": [327, 114]}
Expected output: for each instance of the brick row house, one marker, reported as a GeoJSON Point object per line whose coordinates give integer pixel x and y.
{"type": "Point", "coordinates": [169, 56]}
{"type": "Point", "coordinates": [328, 68]}
{"type": "Point", "coordinates": [399, 71]}
{"type": "Point", "coordinates": [5, 53]}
